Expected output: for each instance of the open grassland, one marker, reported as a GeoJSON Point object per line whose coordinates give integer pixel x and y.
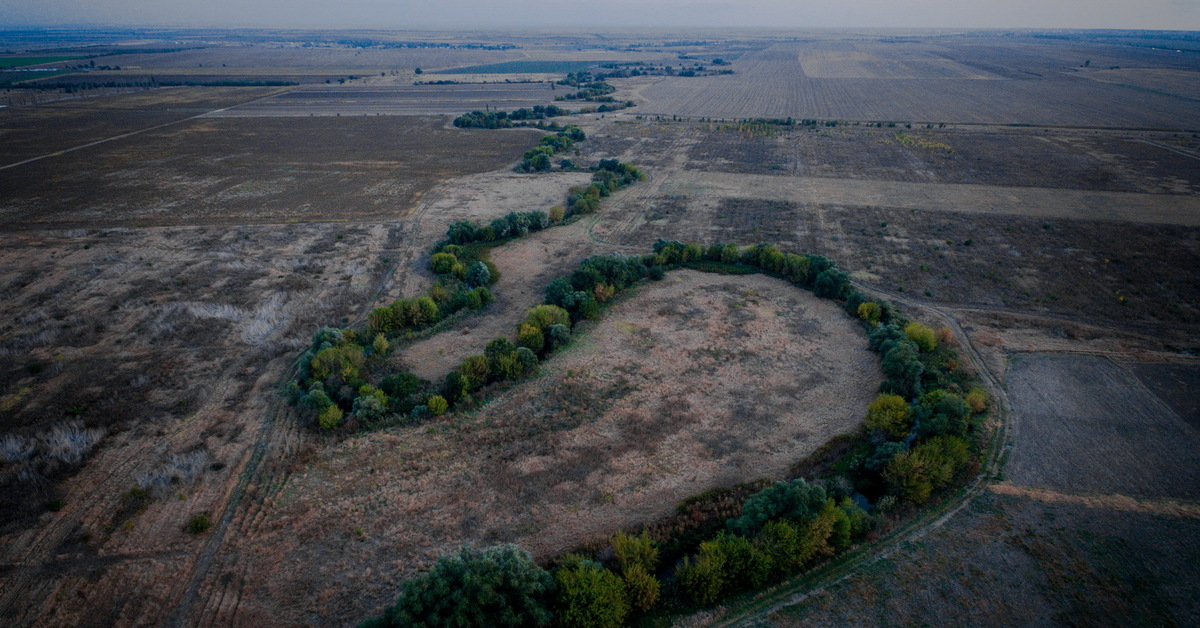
{"type": "Point", "coordinates": [1185, 83]}
{"type": "Point", "coordinates": [251, 170]}
{"type": "Point", "coordinates": [772, 83]}
{"type": "Point", "coordinates": [696, 382]}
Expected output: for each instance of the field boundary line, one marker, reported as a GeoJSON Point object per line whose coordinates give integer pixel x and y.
{"type": "Point", "coordinates": [1113, 501]}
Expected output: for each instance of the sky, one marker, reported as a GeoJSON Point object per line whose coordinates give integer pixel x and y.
{"type": "Point", "coordinates": [591, 14]}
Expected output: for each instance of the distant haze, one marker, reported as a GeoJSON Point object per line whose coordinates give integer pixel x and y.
{"type": "Point", "coordinates": [591, 14]}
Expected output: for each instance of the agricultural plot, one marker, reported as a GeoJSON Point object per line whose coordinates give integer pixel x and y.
{"type": "Point", "coordinates": [1013, 560]}
{"type": "Point", "coordinates": [241, 170]}
{"type": "Point", "coordinates": [1085, 425]}
{"type": "Point", "coordinates": [406, 100]}
{"type": "Point", "coordinates": [772, 84]}
{"type": "Point", "coordinates": [1143, 163]}
{"type": "Point", "coordinates": [882, 61]}
{"type": "Point", "coordinates": [79, 121]}
{"type": "Point", "coordinates": [1185, 83]}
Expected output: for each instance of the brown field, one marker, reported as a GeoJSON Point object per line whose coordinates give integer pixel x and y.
{"type": "Point", "coordinates": [82, 120]}
{"type": "Point", "coordinates": [158, 285]}
{"type": "Point", "coordinates": [403, 100]}
{"type": "Point", "coordinates": [1085, 425]}
{"type": "Point", "coordinates": [239, 170]}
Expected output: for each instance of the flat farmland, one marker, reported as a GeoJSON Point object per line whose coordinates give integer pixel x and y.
{"type": "Point", "coordinates": [24, 131]}
{"type": "Point", "coordinates": [771, 83]}
{"type": "Point", "coordinates": [882, 61]}
{"type": "Point", "coordinates": [403, 100]}
{"type": "Point", "coordinates": [231, 170]}
{"type": "Point", "coordinates": [1185, 83]}
{"type": "Point", "coordinates": [260, 59]}
{"type": "Point", "coordinates": [1088, 426]}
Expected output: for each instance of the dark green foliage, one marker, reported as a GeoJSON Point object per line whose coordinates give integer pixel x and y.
{"type": "Point", "coordinates": [505, 119]}
{"type": "Point", "coordinates": [478, 275]}
{"type": "Point", "coordinates": [559, 336]}
{"type": "Point", "coordinates": [792, 500]}
{"type": "Point", "coordinates": [832, 284]}
{"type": "Point", "coordinates": [198, 524]}
{"type": "Point", "coordinates": [589, 595]}
{"type": "Point", "coordinates": [702, 577]}
{"type": "Point", "coordinates": [746, 565]}
{"type": "Point", "coordinates": [499, 586]}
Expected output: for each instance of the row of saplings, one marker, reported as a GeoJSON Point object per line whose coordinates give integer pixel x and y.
{"type": "Point", "coordinates": [919, 438]}
{"type": "Point", "coordinates": [345, 380]}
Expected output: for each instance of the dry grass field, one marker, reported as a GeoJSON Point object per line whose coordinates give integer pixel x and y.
{"type": "Point", "coordinates": [696, 382]}
{"type": "Point", "coordinates": [157, 287]}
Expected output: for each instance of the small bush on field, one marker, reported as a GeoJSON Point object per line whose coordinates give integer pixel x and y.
{"type": "Point", "coordinates": [198, 524]}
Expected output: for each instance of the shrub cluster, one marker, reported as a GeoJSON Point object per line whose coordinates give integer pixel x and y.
{"type": "Point", "coordinates": [537, 159]}
{"type": "Point", "coordinates": [506, 119]}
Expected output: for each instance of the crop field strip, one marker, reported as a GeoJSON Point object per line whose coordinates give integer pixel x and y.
{"type": "Point", "coordinates": [983, 199]}
{"type": "Point", "coordinates": [404, 100]}
{"type": "Point", "coordinates": [772, 84]}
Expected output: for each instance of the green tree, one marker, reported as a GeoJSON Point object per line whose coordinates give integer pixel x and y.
{"type": "Point", "coordinates": [543, 316]}
{"type": "Point", "coordinates": [915, 474]}
{"type": "Point", "coordinates": [870, 312]}
{"type": "Point", "coordinates": [437, 405]}
{"type": "Point", "coordinates": [330, 417]}
{"type": "Point", "coordinates": [531, 337]}
{"type": "Point", "coordinates": [442, 263]}
{"type": "Point", "coordinates": [499, 586]}
{"type": "Point", "coordinates": [889, 413]}
{"type": "Point", "coordinates": [478, 274]}
{"type": "Point", "coordinates": [796, 499]}
{"type": "Point", "coordinates": [924, 337]}
{"type": "Point", "coordinates": [746, 566]}
{"type": "Point", "coordinates": [589, 595]}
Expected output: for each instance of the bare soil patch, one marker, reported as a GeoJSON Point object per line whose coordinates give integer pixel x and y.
{"type": "Point", "coordinates": [1087, 426]}
{"type": "Point", "coordinates": [695, 382]}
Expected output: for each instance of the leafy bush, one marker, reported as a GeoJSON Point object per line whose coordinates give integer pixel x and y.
{"type": "Point", "coordinates": [330, 417]}
{"type": "Point", "coordinates": [870, 312]}
{"type": "Point", "coordinates": [923, 336]}
{"type": "Point", "coordinates": [889, 413]}
{"type": "Point", "coordinates": [437, 405]}
{"type": "Point", "coordinates": [589, 595]}
{"type": "Point", "coordinates": [499, 586]}
{"type": "Point", "coordinates": [977, 400]}
{"type": "Point", "coordinates": [796, 499]}
{"type": "Point", "coordinates": [198, 524]}
{"type": "Point", "coordinates": [915, 474]}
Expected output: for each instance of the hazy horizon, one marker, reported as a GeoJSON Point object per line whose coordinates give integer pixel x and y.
{"type": "Point", "coordinates": [577, 14]}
